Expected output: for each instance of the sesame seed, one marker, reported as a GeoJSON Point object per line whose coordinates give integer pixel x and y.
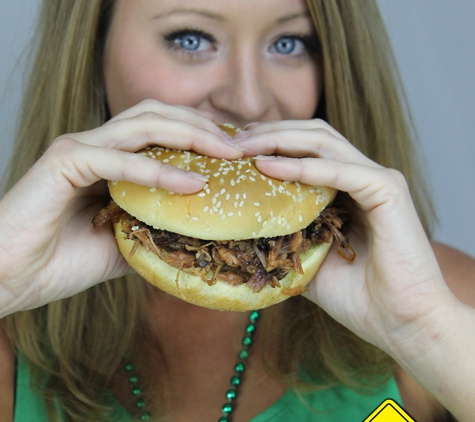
{"type": "Point", "coordinates": [268, 194]}
{"type": "Point", "coordinates": [187, 216]}
{"type": "Point", "coordinates": [218, 204]}
{"type": "Point", "coordinates": [230, 214]}
{"type": "Point", "coordinates": [206, 209]}
{"type": "Point", "coordinates": [252, 178]}
{"type": "Point", "coordinates": [123, 193]}
{"type": "Point", "coordinates": [216, 174]}
{"type": "Point", "coordinates": [223, 217]}
{"type": "Point", "coordinates": [257, 204]}
{"type": "Point", "coordinates": [222, 192]}
{"type": "Point", "coordinates": [300, 218]}
{"type": "Point", "coordinates": [158, 203]}
{"type": "Point", "coordinates": [244, 196]}
{"type": "Point", "coordinates": [239, 214]}
{"type": "Point", "coordinates": [195, 218]}
{"type": "Point", "coordinates": [202, 194]}
{"type": "Point", "coordinates": [233, 182]}
{"type": "Point", "coordinates": [135, 228]}
{"type": "Point", "coordinates": [114, 182]}
{"type": "Point", "coordinates": [259, 219]}
{"type": "Point", "coordinates": [241, 204]}
{"type": "Point", "coordinates": [237, 196]}
{"type": "Point", "coordinates": [254, 234]}
{"type": "Point", "coordinates": [221, 211]}
{"type": "Point", "coordinates": [257, 214]}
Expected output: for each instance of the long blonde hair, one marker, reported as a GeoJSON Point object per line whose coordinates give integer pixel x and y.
{"type": "Point", "coordinates": [74, 346]}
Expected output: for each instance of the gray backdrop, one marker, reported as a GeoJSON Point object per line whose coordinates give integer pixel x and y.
{"type": "Point", "coordinates": [434, 41]}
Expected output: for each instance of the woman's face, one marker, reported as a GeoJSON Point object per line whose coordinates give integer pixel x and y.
{"type": "Point", "coordinates": [243, 61]}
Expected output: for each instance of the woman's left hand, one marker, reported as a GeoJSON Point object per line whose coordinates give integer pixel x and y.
{"type": "Point", "coordinates": [394, 288]}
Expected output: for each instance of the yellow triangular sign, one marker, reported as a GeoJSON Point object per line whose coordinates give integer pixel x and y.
{"type": "Point", "coordinates": [389, 411]}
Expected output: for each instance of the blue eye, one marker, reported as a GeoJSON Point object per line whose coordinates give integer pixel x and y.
{"type": "Point", "coordinates": [189, 42]}
{"type": "Point", "coordinates": [285, 45]}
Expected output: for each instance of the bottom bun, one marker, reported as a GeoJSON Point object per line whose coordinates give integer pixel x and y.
{"type": "Point", "coordinates": [222, 296]}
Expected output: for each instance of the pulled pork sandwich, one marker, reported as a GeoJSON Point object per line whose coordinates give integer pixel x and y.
{"type": "Point", "coordinates": [246, 241]}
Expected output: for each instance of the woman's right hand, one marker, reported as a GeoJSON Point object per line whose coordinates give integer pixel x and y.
{"type": "Point", "coordinates": [48, 248]}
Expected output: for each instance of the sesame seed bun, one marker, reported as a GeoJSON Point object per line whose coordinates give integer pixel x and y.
{"type": "Point", "coordinates": [237, 203]}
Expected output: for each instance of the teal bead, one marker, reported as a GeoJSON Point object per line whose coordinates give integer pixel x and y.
{"type": "Point", "coordinates": [231, 394]}
{"type": "Point", "coordinates": [129, 367]}
{"type": "Point", "coordinates": [227, 408]}
{"type": "Point", "coordinates": [223, 419]}
{"type": "Point", "coordinates": [254, 316]}
{"type": "Point", "coordinates": [145, 417]}
{"type": "Point", "coordinates": [136, 390]}
{"type": "Point", "coordinates": [251, 328]}
{"type": "Point", "coordinates": [236, 380]}
{"type": "Point", "coordinates": [239, 367]}
{"type": "Point", "coordinates": [134, 379]}
{"type": "Point", "coordinates": [140, 403]}
{"type": "Point", "coordinates": [247, 341]}
{"type": "Point", "coordinates": [243, 354]}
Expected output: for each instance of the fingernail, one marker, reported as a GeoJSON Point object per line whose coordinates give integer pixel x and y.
{"type": "Point", "coordinates": [265, 157]}
{"type": "Point", "coordinates": [233, 144]}
{"type": "Point", "coordinates": [196, 176]}
{"type": "Point", "coordinates": [241, 136]}
{"type": "Point", "coordinates": [251, 125]}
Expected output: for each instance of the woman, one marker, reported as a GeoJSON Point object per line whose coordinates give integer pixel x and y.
{"type": "Point", "coordinates": [166, 72]}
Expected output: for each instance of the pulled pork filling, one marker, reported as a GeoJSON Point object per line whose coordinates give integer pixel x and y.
{"type": "Point", "coordinates": [255, 262]}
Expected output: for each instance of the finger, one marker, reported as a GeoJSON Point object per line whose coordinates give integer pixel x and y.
{"type": "Point", "coordinates": [370, 186]}
{"type": "Point", "coordinates": [198, 118]}
{"type": "Point", "coordinates": [135, 133]}
{"type": "Point", "coordinates": [67, 166]}
{"type": "Point", "coordinates": [319, 142]}
{"type": "Point", "coordinates": [263, 127]}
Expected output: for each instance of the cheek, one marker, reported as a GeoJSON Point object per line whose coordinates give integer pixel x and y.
{"type": "Point", "coordinates": [135, 72]}
{"type": "Point", "coordinates": [298, 95]}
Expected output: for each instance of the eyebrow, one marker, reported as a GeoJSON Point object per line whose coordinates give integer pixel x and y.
{"type": "Point", "coordinates": [290, 16]}
{"type": "Point", "coordinates": [221, 18]}
{"type": "Point", "coordinates": [182, 11]}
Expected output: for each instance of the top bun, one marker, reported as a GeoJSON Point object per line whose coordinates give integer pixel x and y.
{"type": "Point", "coordinates": [238, 202]}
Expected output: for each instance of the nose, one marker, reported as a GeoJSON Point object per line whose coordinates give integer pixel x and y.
{"type": "Point", "coordinates": [242, 95]}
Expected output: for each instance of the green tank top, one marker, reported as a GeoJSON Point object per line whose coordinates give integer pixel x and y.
{"type": "Point", "coordinates": [335, 404]}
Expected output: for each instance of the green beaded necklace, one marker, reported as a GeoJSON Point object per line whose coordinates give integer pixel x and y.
{"type": "Point", "coordinates": [235, 382]}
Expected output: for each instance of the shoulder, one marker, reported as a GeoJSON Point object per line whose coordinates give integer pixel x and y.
{"type": "Point", "coordinates": [458, 269]}
{"type": "Point", "coordinates": [7, 377]}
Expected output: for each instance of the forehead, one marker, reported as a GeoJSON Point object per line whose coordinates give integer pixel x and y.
{"type": "Point", "coordinates": [248, 10]}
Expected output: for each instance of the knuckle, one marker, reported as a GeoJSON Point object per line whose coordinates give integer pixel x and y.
{"type": "Point", "coordinates": [63, 145]}
{"type": "Point", "coordinates": [148, 103]}
{"type": "Point", "coordinates": [396, 181]}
